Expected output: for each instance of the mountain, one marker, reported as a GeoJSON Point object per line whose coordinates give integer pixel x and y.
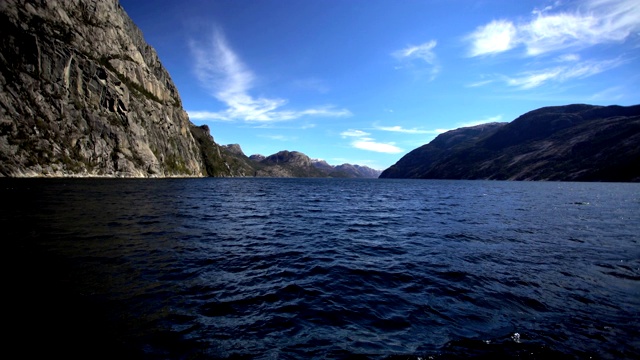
{"type": "Point", "coordinates": [291, 164]}
{"type": "Point", "coordinates": [562, 143]}
{"type": "Point", "coordinates": [83, 94]}
{"type": "Point", "coordinates": [346, 170]}
{"type": "Point", "coordinates": [288, 164]}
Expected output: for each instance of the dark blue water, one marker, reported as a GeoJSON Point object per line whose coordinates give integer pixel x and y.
{"type": "Point", "coordinates": [321, 269]}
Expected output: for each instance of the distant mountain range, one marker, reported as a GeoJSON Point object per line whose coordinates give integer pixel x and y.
{"type": "Point", "coordinates": [291, 164]}
{"type": "Point", "coordinates": [563, 143]}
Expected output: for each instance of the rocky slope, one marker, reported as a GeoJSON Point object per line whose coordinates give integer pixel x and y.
{"type": "Point", "coordinates": [82, 94]}
{"type": "Point", "coordinates": [563, 143]}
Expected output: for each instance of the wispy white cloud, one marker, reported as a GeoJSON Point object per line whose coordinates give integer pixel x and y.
{"type": "Point", "coordinates": [354, 133]}
{"type": "Point", "coordinates": [593, 22]}
{"type": "Point", "coordinates": [481, 83]}
{"type": "Point", "coordinates": [532, 79]}
{"type": "Point", "coordinates": [424, 53]}
{"type": "Point", "coordinates": [220, 71]}
{"type": "Point", "coordinates": [435, 132]}
{"type": "Point", "coordinates": [495, 37]}
{"type": "Point", "coordinates": [279, 137]}
{"type": "Point", "coordinates": [280, 125]}
{"type": "Point", "coordinates": [486, 120]}
{"type": "Point", "coordinates": [400, 129]}
{"type": "Point", "coordinates": [563, 69]}
{"type": "Point", "coordinates": [568, 58]}
{"type": "Point", "coordinates": [208, 115]}
{"type": "Point", "coordinates": [362, 141]}
{"type": "Point", "coordinates": [371, 145]}
{"type": "Point", "coordinates": [614, 93]}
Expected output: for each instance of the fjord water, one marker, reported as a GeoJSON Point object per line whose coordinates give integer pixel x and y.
{"type": "Point", "coordinates": [322, 268]}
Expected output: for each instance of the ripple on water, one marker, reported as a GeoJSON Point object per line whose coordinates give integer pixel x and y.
{"type": "Point", "coordinates": [318, 268]}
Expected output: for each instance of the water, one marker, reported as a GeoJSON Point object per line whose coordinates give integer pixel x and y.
{"type": "Point", "coordinates": [321, 269]}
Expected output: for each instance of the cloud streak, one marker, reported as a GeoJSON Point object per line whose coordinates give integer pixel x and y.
{"type": "Point", "coordinates": [423, 53]}
{"type": "Point", "coordinates": [370, 145]}
{"type": "Point", "coordinates": [559, 74]}
{"type": "Point", "coordinates": [400, 129]}
{"type": "Point", "coordinates": [495, 37]}
{"type": "Point", "coordinates": [486, 120]}
{"type": "Point", "coordinates": [361, 140]}
{"type": "Point", "coordinates": [226, 77]}
{"type": "Point", "coordinates": [354, 133]}
{"type": "Point", "coordinates": [279, 137]}
{"type": "Point", "coordinates": [595, 22]}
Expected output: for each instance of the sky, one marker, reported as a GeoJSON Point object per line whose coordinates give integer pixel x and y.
{"type": "Point", "coordinates": [367, 81]}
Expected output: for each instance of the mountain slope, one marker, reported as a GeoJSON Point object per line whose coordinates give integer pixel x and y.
{"type": "Point", "coordinates": [567, 143]}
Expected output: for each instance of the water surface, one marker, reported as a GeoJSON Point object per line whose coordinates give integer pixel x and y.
{"type": "Point", "coordinates": [322, 268]}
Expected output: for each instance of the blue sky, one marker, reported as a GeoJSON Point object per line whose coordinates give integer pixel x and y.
{"type": "Point", "coordinates": [366, 81]}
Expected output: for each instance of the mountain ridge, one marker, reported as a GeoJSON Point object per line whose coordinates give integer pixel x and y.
{"type": "Point", "coordinates": [576, 142]}
{"type": "Point", "coordinates": [287, 163]}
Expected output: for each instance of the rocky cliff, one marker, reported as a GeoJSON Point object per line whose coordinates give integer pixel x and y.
{"type": "Point", "coordinates": [563, 143]}
{"type": "Point", "coordinates": [83, 94]}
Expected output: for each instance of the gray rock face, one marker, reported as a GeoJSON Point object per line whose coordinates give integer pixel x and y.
{"type": "Point", "coordinates": [82, 94]}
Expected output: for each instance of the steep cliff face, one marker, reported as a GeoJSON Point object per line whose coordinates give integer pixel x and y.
{"type": "Point", "coordinates": [82, 94]}
{"type": "Point", "coordinates": [562, 143]}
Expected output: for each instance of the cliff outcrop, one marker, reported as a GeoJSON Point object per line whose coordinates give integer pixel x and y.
{"type": "Point", "coordinates": [83, 94]}
{"type": "Point", "coordinates": [562, 143]}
